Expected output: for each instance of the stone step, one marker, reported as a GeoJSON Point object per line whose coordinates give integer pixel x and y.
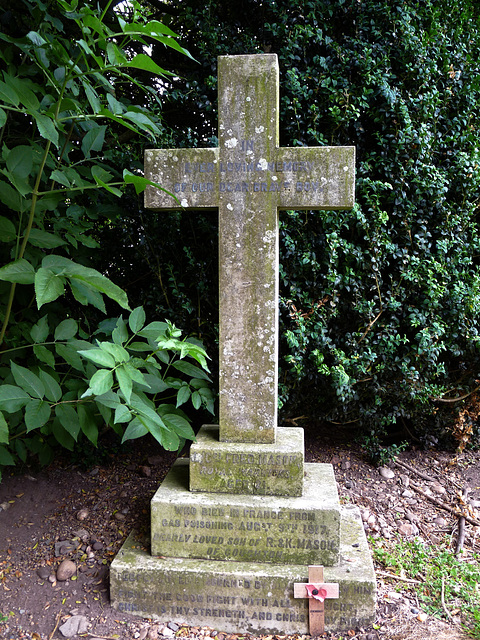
{"type": "Point", "coordinates": [244, 597]}
{"type": "Point", "coordinates": [215, 526]}
{"type": "Point", "coordinates": [251, 469]}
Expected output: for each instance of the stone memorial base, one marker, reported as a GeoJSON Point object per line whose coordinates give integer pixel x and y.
{"type": "Point", "coordinates": [216, 526]}
{"type": "Point", "coordinates": [248, 468]}
{"type": "Point", "coordinates": [244, 596]}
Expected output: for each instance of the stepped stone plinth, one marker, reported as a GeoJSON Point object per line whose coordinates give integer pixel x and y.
{"type": "Point", "coordinates": [238, 529]}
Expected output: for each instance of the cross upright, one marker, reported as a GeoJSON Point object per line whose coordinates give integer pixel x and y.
{"type": "Point", "coordinates": [249, 178]}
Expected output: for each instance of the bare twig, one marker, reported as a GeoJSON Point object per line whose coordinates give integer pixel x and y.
{"type": "Point", "coordinates": [461, 527]}
{"type": "Point", "coordinates": [392, 575]}
{"type": "Point", "coordinates": [457, 512]}
{"type": "Point", "coordinates": [447, 612]}
{"type": "Point", "coordinates": [57, 620]}
{"type": "Point", "coordinates": [407, 466]}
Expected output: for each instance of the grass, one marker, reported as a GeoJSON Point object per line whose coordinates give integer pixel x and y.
{"type": "Point", "coordinates": [442, 578]}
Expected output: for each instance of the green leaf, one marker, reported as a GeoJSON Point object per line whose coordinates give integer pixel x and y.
{"type": "Point", "coordinates": [66, 329]}
{"type": "Point", "coordinates": [7, 230]}
{"type": "Point", "coordinates": [196, 400]}
{"type": "Point", "coordinates": [190, 370]}
{"type": "Point", "coordinates": [21, 450]}
{"type": "Point", "coordinates": [48, 286]}
{"type": "Point", "coordinates": [136, 320]}
{"type": "Point", "coordinates": [53, 391]}
{"type": "Point", "coordinates": [117, 351]}
{"type": "Point", "coordinates": [145, 63]}
{"type": "Point", "coordinates": [125, 382]}
{"type": "Point", "coordinates": [155, 383]}
{"type": "Point", "coordinates": [153, 330]}
{"type": "Point", "coordinates": [93, 140]}
{"type": "Point", "coordinates": [93, 99]}
{"type": "Point", "coordinates": [70, 355]}
{"type": "Point", "coordinates": [134, 430]}
{"type": "Point", "coordinates": [180, 425]}
{"type": "Point", "coordinates": [11, 198]}
{"type": "Point", "coordinates": [60, 177]}
{"type": "Point", "coordinates": [109, 399]}
{"type": "Point", "coordinates": [37, 413]}
{"type": "Point", "coordinates": [44, 355]}
{"type": "Point", "coordinates": [3, 120]}
{"type": "Point", "coordinates": [87, 424]}
{"type": "Point", "coordinates": [62, 435]}
{"type": "Point", "coordinates": [46, 128]}
{"type": "Point", "coordinates": [69, 419]}
{"type": "Point", "coordinates": [4, 435]}
{"type": "Point", "coordinates": [20, 161]}
{"type": "Point", "coordinates": [19, 271]}
{"type": "Point", "coordinates": [45, 240]}
{"type": "Point", "coordinates": [122, 414]}
{"type": "Point", "coordinates": [8, 94]}
{"type": "Point", "coordinates": [28, 380]}
{"type": "Point", "coordinates": [6, 458]}
{"type": "Point", "coordinates": [39, 332]}
{"type": "Point", "coordinates": [99, 356]}
{"type": "Point", "coordinates": [183, 395]}
{"type": "Point", "coordinates": [12, 398]}
{"type": "Point", "coordinates": [120, 333]}
{"type": "Point", "coordinates": [101, 381]}
{"type": "Point", "coordinates": [139, 182]}
{"type": "Point", "coordinates": [85, 295]}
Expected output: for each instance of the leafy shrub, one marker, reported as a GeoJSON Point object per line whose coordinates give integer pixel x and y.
{"type": "Point", "coordinates": [64, 106]}
{"type": "Point", "coordinates": [380, 313]}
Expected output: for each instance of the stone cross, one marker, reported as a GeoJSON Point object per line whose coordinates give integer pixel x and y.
{"type": "Point", "coordinates": [317, 592]}
{"type": "Point", "coordinates": [249, 178]}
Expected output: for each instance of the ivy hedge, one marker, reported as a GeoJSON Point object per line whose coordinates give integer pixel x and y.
{"type": "Point", "coordinates": [379, 305]}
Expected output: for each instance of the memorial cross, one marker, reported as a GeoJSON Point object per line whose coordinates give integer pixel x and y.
{"type": "Point", "coordinates": [249, 178]}
{"type": "Point", "coordinates": [317, 592]}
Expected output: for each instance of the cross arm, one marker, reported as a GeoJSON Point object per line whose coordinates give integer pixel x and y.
{"type": "Point", "coordinates": [191, 175]}
{"type": "Point", "coordinates": [316, 177]}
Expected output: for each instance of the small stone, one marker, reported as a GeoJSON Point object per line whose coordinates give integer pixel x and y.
{"type": "Point", "coordinates": [441, 522]}
{"type": "Point", "coordinates": [4, 506]}
{"type": "Point", "coordinates": [386, 473]}
{"type": "Point", "coordinates": [74, 626]}
{"type": "Point", "coordinates": [422, 617]}
{"type": "Point", "coordinates": [405, 480]}
{"type": "Point", "coordinates": [152, 633]}
{"type": "Point", "coordinates": [168, 633]}
{"type": "Point", "coordinates": [83, 514]}
{"type": "Point", "coordinates": [66, 570]}
{"type": "Point", "coordinates": [407, 494]}
{"type": "Point", "coordinates": [365, 514]}
{"type": "Point", "coordinates": [173, 626]}
{"type": "Point", "coordinates": [414, 610]}
{"type": "Point", "coordinates": [437, 487]}
{"type": "Point", "coordinates": [406, 529]}
{"type": "Point", "coordinates": [119, 516]}
{"type": "Point", "coordinates": [346, 464]}
{"type": "Point", "coordinates": [411, 517]}
{"type": "Point", "coordinates": [43, 572]}
{"type": "Point", "coordinates": [145, 471]}
{"type": "Point", "coordinates": [394, 595]}
{"type": "Point", "coordinates": [97, 546]}
{"type": "Point", "coordinates": [52, 578]}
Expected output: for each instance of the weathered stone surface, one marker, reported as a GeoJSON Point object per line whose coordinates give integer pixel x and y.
{"type": "Point", "coordinates": [240, 468]}
{"type": "Point", "coordinates": [301, 530]}
{"type": "Point", "coordinates": [246, 597]}
{"type": "Point", "coordinates": [248, 177]}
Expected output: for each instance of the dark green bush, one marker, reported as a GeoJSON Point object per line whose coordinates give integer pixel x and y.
{"type": "Point", "coordinates": [380, 305]}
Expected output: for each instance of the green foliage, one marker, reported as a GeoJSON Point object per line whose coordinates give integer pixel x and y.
{"type": "Point", "coordinates": [379, 316]}
{"type": "Point", "coordinates": [64, 106]}
{"type": "Point", "coordinates": [440, 576]}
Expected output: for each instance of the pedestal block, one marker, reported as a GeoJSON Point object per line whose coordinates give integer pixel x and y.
{"type": "Point", "coordinates": [248, 468]}
{"type": "Point", "coordinates": [293, 530]}
{"type": "Point", "coordinates": [244, 596]}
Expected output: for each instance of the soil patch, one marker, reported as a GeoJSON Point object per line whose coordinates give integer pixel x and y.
{"type": "Point", "coordinates": [82, 514]}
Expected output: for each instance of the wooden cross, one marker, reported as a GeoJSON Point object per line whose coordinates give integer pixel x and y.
{"type": "Point", "coordinates": [317, 592]}
{"type": "Point", "coordinates": [249, 178]}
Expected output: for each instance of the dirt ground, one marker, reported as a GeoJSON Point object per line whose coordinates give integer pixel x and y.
{"type": "Point", "coordinates": [82, 511]}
